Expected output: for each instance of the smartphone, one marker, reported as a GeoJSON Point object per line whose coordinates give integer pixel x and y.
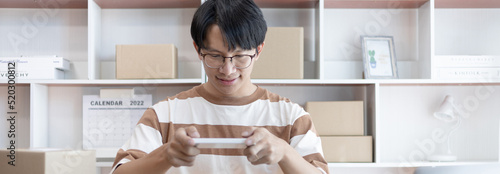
{"type": "Point", "coordinates": [220, 143]}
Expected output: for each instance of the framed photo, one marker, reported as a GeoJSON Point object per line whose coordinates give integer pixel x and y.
{"type": "Point", "coordinates": [379, 57]}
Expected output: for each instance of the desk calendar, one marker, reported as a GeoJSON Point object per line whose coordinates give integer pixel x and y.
{"type": "Point", "coordinates": [109, 122]}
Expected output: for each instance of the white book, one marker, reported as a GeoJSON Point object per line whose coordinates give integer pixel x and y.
{"type": "Point", "coordinates": [467, 61]}
{"type": "Point", "coordinates": [30, 62]}
{"type": "Point", "coordinates": [468, 73]}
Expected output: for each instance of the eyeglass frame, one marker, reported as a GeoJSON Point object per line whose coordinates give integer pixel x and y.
{"type": "Point", "coordinates": [231, 57]}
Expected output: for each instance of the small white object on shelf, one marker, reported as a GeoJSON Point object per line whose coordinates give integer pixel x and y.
{"type": "Point", "coordinates": [36, 67]}
{"type": "Point", "coordinates": [446, 113]}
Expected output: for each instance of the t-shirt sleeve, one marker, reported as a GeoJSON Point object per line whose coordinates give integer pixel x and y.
{"type": "Point", "coordinates": [145, 138]}
{"type": "Point", "coordinates": [307, 143]}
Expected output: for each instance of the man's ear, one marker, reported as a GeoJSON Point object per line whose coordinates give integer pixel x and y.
{"type": "Point", "coordinates": [259, 50]}
{"type": "Point", "coordinates": [197, 50]}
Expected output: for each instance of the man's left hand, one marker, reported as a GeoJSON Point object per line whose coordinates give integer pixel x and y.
{"type": "Point", "coordinates": [264, 147]}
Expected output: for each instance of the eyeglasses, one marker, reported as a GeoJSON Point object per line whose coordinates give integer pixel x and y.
{"type": "Point", "coordinates": [217, 61]}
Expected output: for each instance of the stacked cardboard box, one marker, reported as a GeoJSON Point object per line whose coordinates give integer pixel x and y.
{"type": "Point", "coordinates": [47, 161]}
{"type": "Point", "coordinates": [283, 54]}
{"type": "Point", "coordinates": [340, 125]}
{"type": "Point", "coordinates": [150, 61]}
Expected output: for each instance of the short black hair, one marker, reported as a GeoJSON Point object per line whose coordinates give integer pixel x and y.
{"type": "Point", "coordinates": [241, 23]}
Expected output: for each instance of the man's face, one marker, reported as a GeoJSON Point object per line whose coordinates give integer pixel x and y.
{"type": "Point", "coordinates": [227, 81]}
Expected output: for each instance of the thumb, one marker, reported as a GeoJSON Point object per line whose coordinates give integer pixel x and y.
{"type": "Point", "coordinates": [249, 132]}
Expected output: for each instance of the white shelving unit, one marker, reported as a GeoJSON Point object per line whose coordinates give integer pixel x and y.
{"type": "Point", "coordinates": [398, 112]}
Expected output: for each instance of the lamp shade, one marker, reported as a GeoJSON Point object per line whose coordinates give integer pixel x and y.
{"type": "Point", "coordinates": [446, 113]}
{"type": "Point", "coordinates": [445, 110]}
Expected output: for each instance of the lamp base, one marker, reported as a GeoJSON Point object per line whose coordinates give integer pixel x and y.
{"type": "Point", "coordinates": [442, 158]}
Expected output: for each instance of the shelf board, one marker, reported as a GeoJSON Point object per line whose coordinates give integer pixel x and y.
{"type": "Point", "coordinates": [148, 3]}
{"type": "Point", "coordinates": [374, 165]}
{"type": "Point", "coordinates": [312, 82]}
{"type": "Point", "coordinates": [372, 82]}
{"type": "Point", "coordinates": [437, 82]}
{"type": "Point", "coordinates": [115, 82]}
{"type": "Point", "coordinates": [415, 164]}
{"type": "Point", "coordinates": [374, 3]}
{"type": "Point", "coordinates": [283, 82]}
{"type": "Point", "coordinates": [18, 82]}
{"type": "Point", "coordinates": [43, 4]}
{"type": "Point", "coordinates": [467, 4]}
{"type": "Point", "coordinates": [287, 3]}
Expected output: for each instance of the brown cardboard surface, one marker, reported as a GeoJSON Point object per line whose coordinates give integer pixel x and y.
{"type": "Point", "coordinates": [283, 54]}
{"type": "Point", "coordinates": [337, 117]}
{"type": "Point", "coordinates": [349, 149]}
{"type": "Point", "coordinates": [150, 61]}
{"type": "Point", "coordinates": [49, 161]}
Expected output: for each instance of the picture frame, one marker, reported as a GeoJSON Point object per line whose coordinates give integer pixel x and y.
{"type": "Point", "coordinates": [379, 57]}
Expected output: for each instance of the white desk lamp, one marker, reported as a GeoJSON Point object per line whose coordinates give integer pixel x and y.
{"type": "Point", "coordinates": [446, 113]}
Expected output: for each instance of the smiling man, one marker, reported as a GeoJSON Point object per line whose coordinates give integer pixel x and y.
{"type": "Point", "coordinates": [280, 136]}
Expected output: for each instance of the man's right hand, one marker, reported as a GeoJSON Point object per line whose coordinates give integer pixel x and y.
{"type": "Point", "coordinates": [181, 151]}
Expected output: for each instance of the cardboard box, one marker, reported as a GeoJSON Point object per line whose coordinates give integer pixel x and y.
{"type": "Point", "coordinates": [154, 61]}
{"type": "Point", "coordinates": [48, 161]}
{"type": "Point", "coordinates": [348, 149]}
{"type": "Point", "coordinates": [283, 54]}
{"type": "Point", "coordinates": [337, 117]}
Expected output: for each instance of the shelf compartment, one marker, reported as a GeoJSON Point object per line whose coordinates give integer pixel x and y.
{"type": "Point", "coordinates": [307, 18]}
{"type": "Point", "coordinates": [410, 27]}
{"type": "Point", "coordinates": [412, 135]}
{"type": "Point", "coordinates": [63, 108]}
{"type": "Point", "coordinates": [47, 32]}
{"type": "Point", "coordinates": [107, 28]}
{"type": "Point", "coordinates": [22, 128]}
{"type": "Point", "coordinates": [302, 93]}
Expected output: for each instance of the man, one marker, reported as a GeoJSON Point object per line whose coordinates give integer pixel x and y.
{"type": "Point", "coordinates": [280, 137]}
